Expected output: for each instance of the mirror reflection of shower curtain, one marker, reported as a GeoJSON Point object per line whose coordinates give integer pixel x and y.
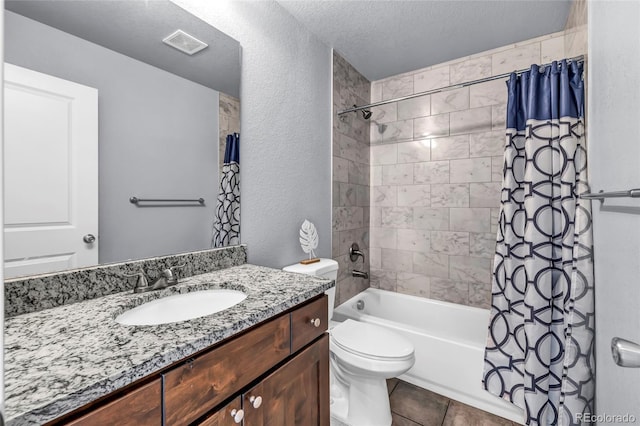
{"type": "Point", "coordinates": [226, 224]}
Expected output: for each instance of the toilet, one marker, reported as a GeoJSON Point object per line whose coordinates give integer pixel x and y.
{"type": "Point", "coordinates": [362, 357]}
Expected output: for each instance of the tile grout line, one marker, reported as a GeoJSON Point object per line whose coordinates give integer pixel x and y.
{"type": "Point", "coordinates": [394, 387]}
{"type": "Point", "coordinates": [446, 411]}
{"type": "Point", "coordinates": [407, 418]}
{"type": "Point", "coordinates": [492, 419]}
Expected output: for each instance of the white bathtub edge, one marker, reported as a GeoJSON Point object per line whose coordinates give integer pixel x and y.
{"type": "Point", "coordinates": [458, 354]}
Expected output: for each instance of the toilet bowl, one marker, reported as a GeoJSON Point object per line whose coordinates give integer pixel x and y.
{"type": "Point", "coordinates": [362, 357]}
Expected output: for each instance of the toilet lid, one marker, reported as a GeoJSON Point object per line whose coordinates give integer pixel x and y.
{"type": "Point", "coordinates": [317, 268]}
{"type": "Point", "coordinates": [370, 340]}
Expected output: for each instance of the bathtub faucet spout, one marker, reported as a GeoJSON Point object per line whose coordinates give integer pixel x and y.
{"type": "Point", "coordinates": [359, 274]}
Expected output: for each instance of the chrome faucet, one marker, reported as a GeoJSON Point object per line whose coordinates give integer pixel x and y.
{"type": "Point", "coordinates": [168, 277]}
{"type": "Point", "coordinates": [359, 274]}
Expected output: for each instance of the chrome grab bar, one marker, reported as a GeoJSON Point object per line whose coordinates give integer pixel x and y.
{"type": "Point", "coordinates": [136, 200]}
{"type": "Point", "coordinates": [632, 193]}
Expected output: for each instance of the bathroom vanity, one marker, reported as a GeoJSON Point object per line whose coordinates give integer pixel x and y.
{"type": "Point", "coordinates": [295, 392]}
{"type": "Point", "coordinates": [263, 361]}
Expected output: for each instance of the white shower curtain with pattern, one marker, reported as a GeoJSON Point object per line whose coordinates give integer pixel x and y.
{"type": "Point", "coordinates": [540, 348]}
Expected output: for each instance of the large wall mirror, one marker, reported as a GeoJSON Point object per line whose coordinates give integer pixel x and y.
{"type": "Point", "coordinates": [98, 109]}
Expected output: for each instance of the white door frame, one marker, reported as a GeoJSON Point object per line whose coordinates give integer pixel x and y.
{"type": "Point", "coordinates": [2, 203]}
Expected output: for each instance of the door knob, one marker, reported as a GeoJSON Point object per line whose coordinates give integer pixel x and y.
{"type": "Point", "coordinates": [89, 238]}
{"type": "Point", "coordinates": [256, 401]}
{"type": "Point", "coordinates": [237, 415]}
{"type": "Point", "coordinates": [625, 353]}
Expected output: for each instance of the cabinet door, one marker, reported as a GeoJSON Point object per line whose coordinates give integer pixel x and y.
{"type": "Point", "coordinates": [138, 407]}
{"type": "Point", "coordinates": [227, 416]}
{"type": "Point", "coordinates": [193, 389]}
{"type": "Point", "coordinates": [295, 394]}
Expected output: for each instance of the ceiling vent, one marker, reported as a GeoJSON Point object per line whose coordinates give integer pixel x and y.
{"type": "Point", "coordinates": [184, 42]}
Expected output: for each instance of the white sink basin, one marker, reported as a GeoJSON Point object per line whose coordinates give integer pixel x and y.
{"type": "Point", "coordinates": [181, 307]}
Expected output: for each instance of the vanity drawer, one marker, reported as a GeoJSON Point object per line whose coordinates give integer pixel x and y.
{"type": "Point", "coordinates": [197, 386]}
{"type": "Point", "coordinates": [308, 322]}
{"type": "Point", "coordinates": [139, 407]}
{"type": "Point", "coordinates": [224, 416]}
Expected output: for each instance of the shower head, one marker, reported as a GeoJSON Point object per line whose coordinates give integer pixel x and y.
{"type": "Point", "coordinates": [366, 114]}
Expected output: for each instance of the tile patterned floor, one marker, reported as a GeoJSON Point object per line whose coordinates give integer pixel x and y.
{"type": "Point", "coordinates": [414, 406]}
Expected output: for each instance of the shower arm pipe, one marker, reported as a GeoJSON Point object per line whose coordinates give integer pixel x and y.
{"type": "Point", "coordinates": [447, 88]}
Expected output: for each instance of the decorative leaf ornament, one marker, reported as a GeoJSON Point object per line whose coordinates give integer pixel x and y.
{"type": "Point", "coordinates": [309, 238]}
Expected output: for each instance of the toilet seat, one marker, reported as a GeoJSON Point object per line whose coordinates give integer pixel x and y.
{"type": "Point", "coordinates": [371, 342]}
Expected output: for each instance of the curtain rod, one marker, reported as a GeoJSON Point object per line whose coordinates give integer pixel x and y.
{"type": "Point", "coordinates": [453, 86]}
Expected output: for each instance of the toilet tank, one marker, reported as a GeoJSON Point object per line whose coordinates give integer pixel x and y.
{"type": "Point", "coordinates": [326, 268]}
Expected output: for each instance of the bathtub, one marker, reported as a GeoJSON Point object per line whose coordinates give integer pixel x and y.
{"type": "Point", "coordinates": [449, 340]}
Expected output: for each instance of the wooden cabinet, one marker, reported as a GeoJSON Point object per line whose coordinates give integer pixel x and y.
{"type": "Point", "coordinates": [275, 374]}
{"type": "Point", "coordinates": [308, 322]}
{"type": "Point", "coordinates": [226, 416]}
{"type": "Point", "coordinates": [295, 394]}
{"type": "Point", "coordinates": [141, 406]}
{"type": "Point", "coordinates": [206, 381]}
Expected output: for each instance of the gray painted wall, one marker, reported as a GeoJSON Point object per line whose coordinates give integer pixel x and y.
{"type": "Point", "coordinates": [286, 127]}
{"type": "Point", "coordinates": [158, 137]}
{"type": "Point", "coordinates": [614, 152]}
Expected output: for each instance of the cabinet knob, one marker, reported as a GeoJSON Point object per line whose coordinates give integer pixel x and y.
{"type": "Point", "coordinates": [237, 415]}
{"type": "Point", "coordinates": [315, 322]}
{"type": "Point", "coordinates": [256, 401]}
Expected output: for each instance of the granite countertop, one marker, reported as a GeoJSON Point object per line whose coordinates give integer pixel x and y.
{"type": "Point", "coordinates": [59, 359]}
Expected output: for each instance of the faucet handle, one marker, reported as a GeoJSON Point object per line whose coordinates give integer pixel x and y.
{"type": "Point", "coordinates": [354, 252]}
{"type": "Point", "coordinates": [171, 275]}
{"type": "Point", "coordinates": [142, 279]}
{"type": "Point", "coordinates": [177, 267]}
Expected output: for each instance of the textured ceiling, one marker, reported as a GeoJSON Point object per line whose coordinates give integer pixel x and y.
{"type": "Point", "coordinates": [136, 29]}
{"type": "Point", "coordinates": [384, 38]}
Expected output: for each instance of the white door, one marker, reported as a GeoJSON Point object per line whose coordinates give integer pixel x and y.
{"type": "Point", "coordinates": [2, 411]}
{"type": "Point", "coordinates": [50, 173]}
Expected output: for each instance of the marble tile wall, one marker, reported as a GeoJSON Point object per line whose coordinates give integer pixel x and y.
{"type": "Point", "coordinates": [575, 39]}
{"type": "Point", "coordinates": [351, 195]}
{"type": "Point", "coordinates": [229, 121]}
{"type": "Point", "coordinates": [577, 14]}
{"type": "Point", "coordinates": [436, 171]}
